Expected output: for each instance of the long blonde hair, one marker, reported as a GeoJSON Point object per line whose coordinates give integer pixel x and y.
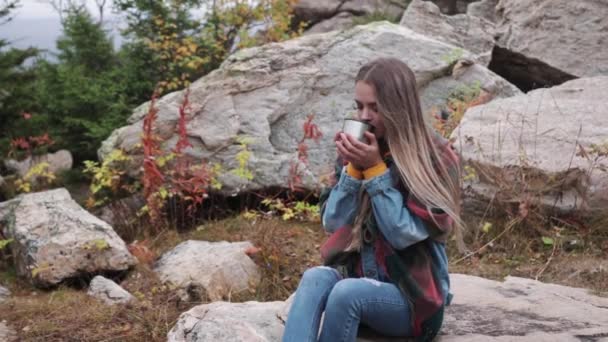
{"type": "Point", "coordinates": [410, 142]}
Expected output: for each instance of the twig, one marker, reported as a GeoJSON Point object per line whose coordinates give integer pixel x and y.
{"type": "Point", "coordinates": [511, 224]}
{"type": "Point", "coordinates": [547, 263]}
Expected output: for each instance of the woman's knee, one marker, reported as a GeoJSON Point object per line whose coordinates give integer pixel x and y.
{"type": "Point", "coordinates": [344, 293]}
{"type": "Point", "coordinates": [320, 274]}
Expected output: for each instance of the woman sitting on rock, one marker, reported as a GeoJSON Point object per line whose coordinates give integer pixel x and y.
{"type": "Point", "coordinates": [395, 203]}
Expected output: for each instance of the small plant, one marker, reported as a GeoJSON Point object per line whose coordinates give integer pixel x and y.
{"type": "Point", "coordinates": [152, 178]}
{"type": "Point", "coordinates": [173, 177]}
{"type": "Point", "coordinates": [290, 210]}
{"type": "Point", "coordinates": [311, 131]}
{"type": "Point", "coordinates": [4, 243]}
{"type": "Point", "coordinates": [459, 101]}
{"type": "Point", "coordinates": [97, 245]}
{"type": "Point", "coordinates": [242, 158]}
{"type": "Point", "coordinates": [39, 177]}
{"type": "Point", "coordinates": [453, 56]}
{"type": "Point", "coordinates": [24, 147]}
{"type": "Point", "coordinates": [108, 178]}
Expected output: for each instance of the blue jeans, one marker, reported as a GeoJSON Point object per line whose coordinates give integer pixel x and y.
{"type": "Point", "coordinates": [346, 303]}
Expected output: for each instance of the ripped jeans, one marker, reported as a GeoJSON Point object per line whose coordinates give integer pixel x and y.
{"type": "Point", "coordinates": [346, 303]}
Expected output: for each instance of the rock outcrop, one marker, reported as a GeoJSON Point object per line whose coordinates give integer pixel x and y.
{"type": "Point", "coordinates": [209, 270]}
{"type": "Point", "coordinates": [56, 239]}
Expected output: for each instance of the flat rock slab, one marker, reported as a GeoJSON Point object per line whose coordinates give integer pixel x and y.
{"type": "Point", "coordinates": [540, 133]}
{"type": "Point", "coordinates": [209, 270]}
{"type": "Point", "coordinates": [516, 309]}
{"type": "Point", "coordinates": [521, 309]}
{"type": "Point", "coordinates": [56, 239]}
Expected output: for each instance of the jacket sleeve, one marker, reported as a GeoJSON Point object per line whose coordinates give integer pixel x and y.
{"type": "Point", "coordinates": [398, 225]}
{"type": "Point", "coordinates": [341, 205]}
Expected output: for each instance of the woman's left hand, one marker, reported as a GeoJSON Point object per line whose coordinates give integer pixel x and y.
{"type": "Point", "coordinates": [362, 156]}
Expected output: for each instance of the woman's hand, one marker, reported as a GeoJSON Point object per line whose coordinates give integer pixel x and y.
{"type": "Point", "coordinates": [362, 156]}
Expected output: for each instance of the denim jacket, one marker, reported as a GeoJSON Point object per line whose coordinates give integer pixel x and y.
{"type": "Point", "coordinates": [396, 223]}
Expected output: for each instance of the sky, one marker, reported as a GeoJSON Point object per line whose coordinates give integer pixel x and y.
{"type": "Point", "coordinates": [35, 23]}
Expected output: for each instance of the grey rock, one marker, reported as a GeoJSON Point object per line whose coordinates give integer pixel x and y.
{"type": "Point", "coordinates": [121, 211]}
{"type": "Point", "coordinates": [520, 309]}
{"type": "Point", "coordinates": [222, 321]}
{"type": "Point", "coordinates": [108, 291]}
{"type": "Point", "coordinates": [469, 32]}
{"type": "Point", "coordinates": [340, 21]}
{"type": "Point", "coordinates": [267, 92]}
{"type": "Point", "coordinates": [517, 309]}
{"type": "Point", "coordinates": [56, 239]}
{"type": "Point", "coordinates": [7, 334]}
{"type": "Point", "coordinates": [566, 35]}
{"type": "Point", "coordinates": [325, 16]}
{"type": "Point", "coordinates": [485, 9]}
{"type": "Point", "coordinates": [540, 132]}
{"type": "Point", "coordinates": [453, 7]}
{"type": "Point", "coordinates": [4, 294]}
{"type": "Point", "coordinates": [209, 270]}
{"type": "Point", "coordinates": [58, 161]}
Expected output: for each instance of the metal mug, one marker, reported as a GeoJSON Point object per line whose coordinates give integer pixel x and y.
{"type": "Point", "coordinates": [356, 129]}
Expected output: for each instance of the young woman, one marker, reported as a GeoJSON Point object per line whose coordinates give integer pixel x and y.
{"type": "Point", "coordinates": [396, 201]}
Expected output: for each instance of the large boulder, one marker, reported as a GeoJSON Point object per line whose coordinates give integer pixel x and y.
{"type": "Point", "coordinates": [517, 309]}
{"type": "Point", "coordinates": [108, 291]}
{"type": "Point", "coordinates": [267, 92]}
{"type": "Point", "coordinates": [569, 36]}
{"type": "Point", "coordinates": [205, 270]}
{"type": "Point", "coordinates": [469, 32]}
{"type": "Point", "coordinates": [58, 161]}
{"type": "Point", "coordinates": [325, 16]}
{"type": "Point", "coordinates": [533, 146]}
{"type": "Point", "coordinates": [56, 239]}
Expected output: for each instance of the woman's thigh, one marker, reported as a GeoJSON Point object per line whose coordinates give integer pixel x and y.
{"type": "Point", "coordinates": [379, 305]}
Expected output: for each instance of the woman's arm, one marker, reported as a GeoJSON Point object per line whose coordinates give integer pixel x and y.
{"type": "Point", "coordinates": [341, 206]}
{"type": "Point", "coordinates": [400, 227]}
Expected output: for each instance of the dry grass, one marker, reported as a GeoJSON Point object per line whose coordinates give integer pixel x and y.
{"type": "Point", "coordinates": [286, 250]}
{"type": "Point", "coordinates": [69, 314]}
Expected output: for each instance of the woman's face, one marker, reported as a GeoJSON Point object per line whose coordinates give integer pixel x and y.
{"type": "Point", "coordinates": [367, 107]}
